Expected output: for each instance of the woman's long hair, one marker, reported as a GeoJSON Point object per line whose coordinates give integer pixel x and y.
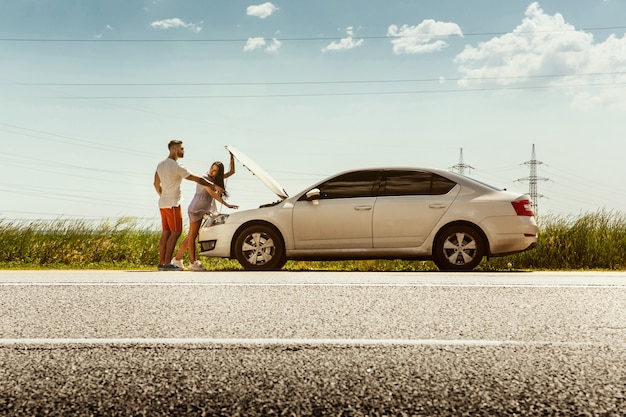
{"type": "Point", "coordinates": [219, 178]}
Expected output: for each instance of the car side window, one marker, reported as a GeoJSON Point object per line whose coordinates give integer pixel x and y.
{"type": "Point", "coordinates": [351, 184]}
{"type": "Point", "coordinates": [441, 185]}
{"type": "Point", "coordinates": [408, 182]}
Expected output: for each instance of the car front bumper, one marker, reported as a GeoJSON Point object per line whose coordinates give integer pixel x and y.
{"type": "Point", "coordinates": [215, 241]}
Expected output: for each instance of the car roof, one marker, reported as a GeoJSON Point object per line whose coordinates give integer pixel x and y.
{"type": "Point", "coordinates": [458, 178]}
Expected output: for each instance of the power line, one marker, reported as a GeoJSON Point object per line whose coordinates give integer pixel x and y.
{"type": "Point", "coordinates": [332, 82]}
{"type": "Point", "coordinates": [302, 39]}
{"type": "Point", "coordinates": [337, 94]}
{"type": "Point", "coordinates": [65, 216]}
{"type": "Point", "coordinates": [69, 140]}
{"type": "Point", "coordinates": [28, 163]}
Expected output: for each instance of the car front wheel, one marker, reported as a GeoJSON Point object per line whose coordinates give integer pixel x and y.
{"type": "Point", "coordinates": [260, 248]}
{"type": "Point", "coordinates": [459, 248]}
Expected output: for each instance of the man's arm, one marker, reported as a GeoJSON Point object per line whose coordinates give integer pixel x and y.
{"type": "Point", "coordinates": [157, 183]}
{"type": "Point", "coordinates": [203, 182]}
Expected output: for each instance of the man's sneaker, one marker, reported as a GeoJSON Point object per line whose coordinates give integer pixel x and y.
{"type": "Point", "coordinates": [170, 267]}
{"type": "Point", "coordinates": [179, 263]}
{"type": "Point", "coordinates": [197, 266]}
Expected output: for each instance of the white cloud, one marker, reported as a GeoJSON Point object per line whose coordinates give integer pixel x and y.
{"type": "Point", "coordinates": [176, 23]}
{"type": "Point", "coordinates": [544, 45]}
{"type": "Point", "coordinates": [153, 3]}
{"type": "Point", "coordinates": [254, 43]}
{"type": "Point", "coordinates": [260, 43]}
{"type": "Point", "coordinates": [108, 28]}
{"type": "Point", "coordinates": [261, 10]}
{"type": "Point", "coordinates": [423, 38]}
{"type": "Point", "coordinates": [344, 43]}
{"type": "Point", "coordinates": [274, 46]}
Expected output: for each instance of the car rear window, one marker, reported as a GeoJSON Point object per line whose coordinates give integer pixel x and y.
{"type": "Point", "coordinates": [406, 182]}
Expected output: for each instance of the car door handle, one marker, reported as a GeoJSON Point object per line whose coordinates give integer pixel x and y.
{"type": "Point", "coordinates": [363, 208]}
{"type": "Point", "coordinates": [437, 205]}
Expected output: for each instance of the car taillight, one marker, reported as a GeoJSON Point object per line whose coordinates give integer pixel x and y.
{"type": "Point", "coordinates": [523, 207]}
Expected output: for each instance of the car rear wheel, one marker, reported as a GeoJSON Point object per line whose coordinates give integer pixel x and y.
{"type": "Point", "coordinates": [260, 248]}
{"type": "Point", "coordinates": [459, 248]}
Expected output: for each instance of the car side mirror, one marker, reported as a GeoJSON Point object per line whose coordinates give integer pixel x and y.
{"type": "Point", "coordinates": [313, 195]}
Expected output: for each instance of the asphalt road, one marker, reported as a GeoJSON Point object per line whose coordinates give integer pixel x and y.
{"type": "Point", "coordinates": [313, 343]}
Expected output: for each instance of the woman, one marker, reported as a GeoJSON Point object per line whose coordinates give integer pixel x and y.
{"type": "Point", "coordinates": [200, 205]}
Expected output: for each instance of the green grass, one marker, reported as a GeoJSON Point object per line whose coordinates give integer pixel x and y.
{"type": "Point", "coordinates": [589, 241]}
{"type": "Point", "coordinates": [77, 244]}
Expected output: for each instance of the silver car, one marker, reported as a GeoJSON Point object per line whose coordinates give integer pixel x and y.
{"type": "Point", "coordinates": [375, 213]}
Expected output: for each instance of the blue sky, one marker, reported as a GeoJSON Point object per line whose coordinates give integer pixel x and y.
{"type": "Point", "coordinates": [92, 91]}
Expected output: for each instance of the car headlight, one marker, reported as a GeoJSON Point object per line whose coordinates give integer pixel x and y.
{"type": "Point", "coordinates": [217, 220]}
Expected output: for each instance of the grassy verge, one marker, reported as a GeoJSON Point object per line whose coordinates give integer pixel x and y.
{"type": "Point", "coordinates": [589, 241]}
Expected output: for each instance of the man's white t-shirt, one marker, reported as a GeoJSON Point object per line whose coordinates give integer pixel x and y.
{"type": "Point", "coordinates": [171, 174]}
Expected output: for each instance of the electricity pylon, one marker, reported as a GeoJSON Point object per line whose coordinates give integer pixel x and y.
{"type": "Point", "coordinates": [532, 181]}
{"type": "Point", "coordinates": [460, 167]}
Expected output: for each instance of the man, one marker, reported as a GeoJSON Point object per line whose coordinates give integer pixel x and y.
{"type": "Point", "coordinates": [167, 183]}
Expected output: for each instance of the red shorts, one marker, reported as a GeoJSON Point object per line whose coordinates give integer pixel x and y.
{"type": "Point", "coordinates": [172, 219]}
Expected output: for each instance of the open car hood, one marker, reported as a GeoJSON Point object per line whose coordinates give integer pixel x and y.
{"type": "Point", "coordinates": [258, 172]}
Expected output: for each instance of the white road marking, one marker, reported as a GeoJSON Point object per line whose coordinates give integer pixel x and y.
{"type": "Point", "coordinates": [569, 279]}
{"type": "Point", "coordinates": [289, 342]}
{"type": "Point", "coordinates": [296, 284]}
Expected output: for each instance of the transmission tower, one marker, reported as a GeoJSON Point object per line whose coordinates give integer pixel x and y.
{"type": "Point", "coordinates": [460, 167]}
{"type": "Point", "coordinates": [532, 181]}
